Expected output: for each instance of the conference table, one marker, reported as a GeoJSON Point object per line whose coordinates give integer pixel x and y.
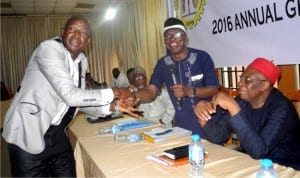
{"type": "Point", "coordinates": [99, 156]}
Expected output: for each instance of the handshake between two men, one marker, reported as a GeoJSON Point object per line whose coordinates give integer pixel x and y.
{"type": "Point", "coordinates": [125, 101]}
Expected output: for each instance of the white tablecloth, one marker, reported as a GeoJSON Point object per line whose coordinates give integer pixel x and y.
{"type": "Point", "coordinates": [100, 156]}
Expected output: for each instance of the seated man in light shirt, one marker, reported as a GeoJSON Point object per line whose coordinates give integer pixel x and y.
{"type": "Point", "coordinates": [161, 108]}
{"type": "Point", "coordinates": [264, 120]}
{"type": "Point", "coordinates": [119, 79]}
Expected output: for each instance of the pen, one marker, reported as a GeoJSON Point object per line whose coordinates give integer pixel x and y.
{"type": "Point", "coordinates": [164, 132]}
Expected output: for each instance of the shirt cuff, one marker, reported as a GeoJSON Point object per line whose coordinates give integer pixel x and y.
{"type": "Point", "coordinates": [106, 109]}
{"type": "Point", "coordinates": [109, 95]}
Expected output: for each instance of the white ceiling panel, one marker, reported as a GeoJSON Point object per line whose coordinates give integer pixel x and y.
{"type": "Point", "coordinates": [93, 1]}
{"type": "Point", "coordinates": [7, 11]}
{"type": "Point", "coordinates": [24, 10]}
{"type": "Point", "coordinates": [66, 3]}
{"type": "Point", "coordinates": [20, 1]}
{"type": "Point", "coordinates": [62, 11]}
{"type": "Point", "coordinates": [36, 7]}
{"type": "Point", "coordinates": [44, 9]}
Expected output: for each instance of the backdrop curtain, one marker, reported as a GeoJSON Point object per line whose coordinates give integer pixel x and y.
{"type": "Point", "coordinates": [133, 38]}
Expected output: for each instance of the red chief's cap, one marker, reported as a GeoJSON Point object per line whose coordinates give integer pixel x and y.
{"type": "Point", "coordinates": [267, 68]}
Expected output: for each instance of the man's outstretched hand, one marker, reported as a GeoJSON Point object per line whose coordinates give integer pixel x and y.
{"type": "Point", "coordinates": [125, 108]}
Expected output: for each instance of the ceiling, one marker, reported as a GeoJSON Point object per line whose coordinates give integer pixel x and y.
{"type": "Point", "coordinates": [40, 7]}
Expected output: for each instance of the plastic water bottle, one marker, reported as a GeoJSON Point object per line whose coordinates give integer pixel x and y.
{"type": "Point", "coordinates": [196, 157]}
{"type": "Point", "coordinates": [132, 137]}
{"type": "Point", "coordinates": [114, 129]}
{"type": "Point", "coordinates": [266, 169]}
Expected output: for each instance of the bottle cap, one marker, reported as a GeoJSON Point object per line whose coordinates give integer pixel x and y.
{"type": "Point", "coordinates": [195, 137]}
{"type": "Point", "coordinates": [266, 163]}
{"type": "Point", "coordinates": [116, 129]}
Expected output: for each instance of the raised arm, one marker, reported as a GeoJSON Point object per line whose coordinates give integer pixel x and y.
{"type": "Point", "coordinates": [146, 94]}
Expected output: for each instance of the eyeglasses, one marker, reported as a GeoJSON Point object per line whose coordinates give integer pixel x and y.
{"type": "Point", "coordinates": [139, 78]}
{"type": "Point", "coordinates": [248, 79]}
{"type": "Point", "coordinates": [175, 35]}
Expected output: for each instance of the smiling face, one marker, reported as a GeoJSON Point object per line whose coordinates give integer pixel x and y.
{"type": "Point", "coordinates": [76, 35]}
{"type": "Point", "coordinates": [175, 41]}
{"type": "Point", "coordinates": [139, 80]}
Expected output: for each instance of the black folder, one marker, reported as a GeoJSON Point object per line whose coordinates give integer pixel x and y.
{"type": "Point", "coordinates": [177, 152]}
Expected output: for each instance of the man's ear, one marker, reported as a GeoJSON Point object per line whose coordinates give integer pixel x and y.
{"type": "Point", "coordinates": [187, 40]}
{"type": "Point", "coordinates": [265, 85]}
{"type": "Point", "coordinates": [89, 41]}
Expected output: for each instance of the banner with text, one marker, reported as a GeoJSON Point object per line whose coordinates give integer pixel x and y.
{"type": "Point", "coordinates": [234, 32]}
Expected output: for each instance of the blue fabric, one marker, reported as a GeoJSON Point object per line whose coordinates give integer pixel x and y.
{"type": "Point", "coordinates": [272, 131]}
{"type": "Point", "coordinates": [197, 63]}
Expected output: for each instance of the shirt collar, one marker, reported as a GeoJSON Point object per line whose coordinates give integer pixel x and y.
{"type": "Point", "coordinates": [78, 59]}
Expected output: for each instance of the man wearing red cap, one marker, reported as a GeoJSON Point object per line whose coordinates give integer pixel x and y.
{"type": "Point", "coordinates": [265, 121]}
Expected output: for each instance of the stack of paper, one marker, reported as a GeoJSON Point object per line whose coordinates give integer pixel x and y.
{"type": "Point", "coordinates": [164, 160]}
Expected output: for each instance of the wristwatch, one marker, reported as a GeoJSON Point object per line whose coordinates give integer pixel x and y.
{"type": "Point", "coordinates": [193, 93]}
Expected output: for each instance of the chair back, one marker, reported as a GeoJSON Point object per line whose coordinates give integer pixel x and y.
{"type": "Point", "coordinates": [230, 92]}
{"type": "Point", "coordinates": [294, 97]}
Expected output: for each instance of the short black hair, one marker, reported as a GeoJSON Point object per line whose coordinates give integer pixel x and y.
{"type": "Point", "coordinates": [129, 70]}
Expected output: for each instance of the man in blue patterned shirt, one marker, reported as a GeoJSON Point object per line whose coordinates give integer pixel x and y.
{"type": "Point", "coordinates": [189, 76]}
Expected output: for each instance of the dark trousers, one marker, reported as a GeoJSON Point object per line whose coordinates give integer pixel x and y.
{"type": "Point", "coordinates": [56, 160]}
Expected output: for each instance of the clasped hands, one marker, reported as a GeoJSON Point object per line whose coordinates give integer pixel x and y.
{"type": "Point", "coordinates": [126, 100]}
{"type": "Point", "coordinates": [204, 109]}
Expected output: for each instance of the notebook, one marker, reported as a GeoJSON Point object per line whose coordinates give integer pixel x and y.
{"type": "Point", "coordinates": [164, 134]}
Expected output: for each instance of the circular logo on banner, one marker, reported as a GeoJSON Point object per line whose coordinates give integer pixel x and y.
{"type": "Point", "coordinates": [189, 11]}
